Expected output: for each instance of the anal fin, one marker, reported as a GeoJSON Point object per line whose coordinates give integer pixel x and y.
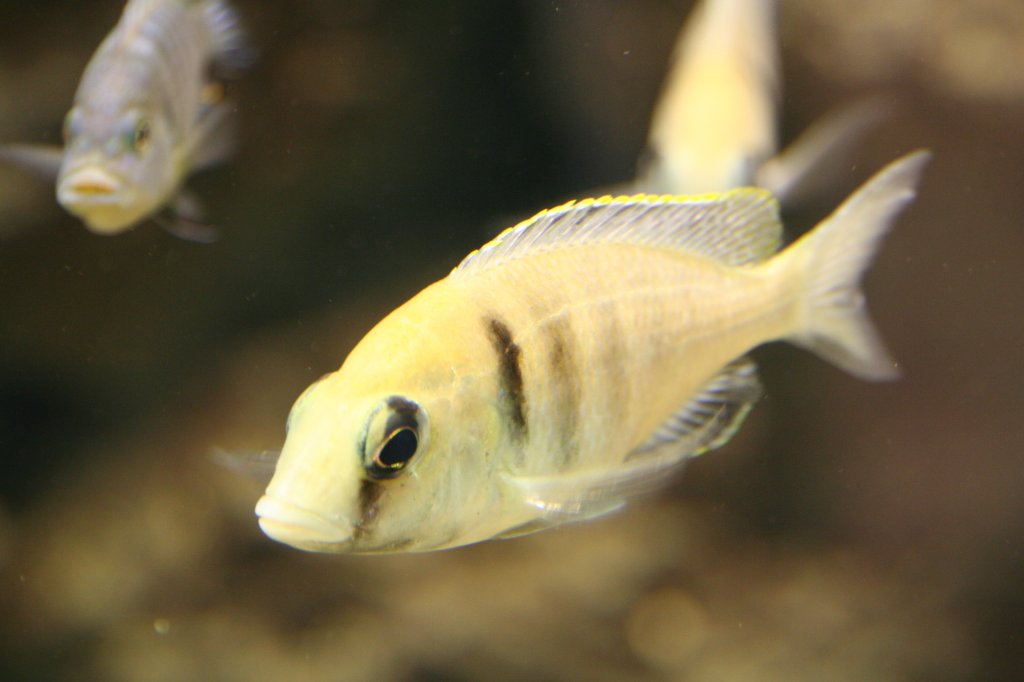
{"type": "Point", "coordinates": [707, 421]}
{"type": "Point", "coordinates": [185, 218]}
{"type": "Point", "coordinates": [711, 417]}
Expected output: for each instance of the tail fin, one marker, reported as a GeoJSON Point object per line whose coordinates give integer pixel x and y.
{"type": "Point", "coordinates": [835, 255]}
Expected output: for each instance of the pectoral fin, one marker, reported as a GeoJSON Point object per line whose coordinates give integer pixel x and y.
{"type": "Point", "coordinates": [186, 219]}
{"type": "Point", "coordinates": [706, 421]}
{"type": "Point", "coordinates": [43, 160]}
{"type": "Point", "coordinates": [215, 135]}
{"type": "Point", "coordinates": [258, 466]}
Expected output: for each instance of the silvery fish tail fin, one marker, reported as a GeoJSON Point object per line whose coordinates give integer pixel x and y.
{"type": "Point", "coordinates": [706, 421]}
{"type": "Point", "coordinates": [258, 466]}
{"type": "Point", "coordinates": [43, 160]}
{"type": "Point", "coordinates": [832, 258]}
{"type": "Point", "coordinates": [808, 165]}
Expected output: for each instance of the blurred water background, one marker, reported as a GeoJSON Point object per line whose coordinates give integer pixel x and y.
{"type": "Point", "coordinates": [850, 532]}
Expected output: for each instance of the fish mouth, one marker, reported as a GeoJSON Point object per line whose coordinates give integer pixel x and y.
{"type": "Point", "coordinates": [90, 184]}
{"type": "Point", "coordinates": [299, 527]}
{"type": "Point", "coordinates": [103, 201]}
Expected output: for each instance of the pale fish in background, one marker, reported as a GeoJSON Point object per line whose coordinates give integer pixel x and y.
{"type": "Point", "coordinates": [576, 360]}
{"type": "Point", "coordinates": [714, 126]}
{"type": "Point", "coordinates": [146, 114]}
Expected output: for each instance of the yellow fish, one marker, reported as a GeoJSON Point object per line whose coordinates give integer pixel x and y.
{"type": "Point", "coordinates": [579, 358]}
{"type": "Point", "coordinates": [145, 115]}
{"type": "Point", "coordinates": [714, 126]}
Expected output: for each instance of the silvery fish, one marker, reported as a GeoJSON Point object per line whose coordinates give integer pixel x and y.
{"type": "Point", "coordinates": [145, 115]}
{"type": "Point", "coordinates": [714, 125]}
{"type": "Point", "coordinates": [576, 360]}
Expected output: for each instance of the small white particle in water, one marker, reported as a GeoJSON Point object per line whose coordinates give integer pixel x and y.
{"type": "Point", "coordinates": [161, 626]}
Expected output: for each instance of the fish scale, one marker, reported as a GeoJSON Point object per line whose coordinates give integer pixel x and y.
{"type": "Point", "coordinates": [678, 338]}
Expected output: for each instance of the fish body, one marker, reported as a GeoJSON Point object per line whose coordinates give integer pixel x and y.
{"type": "Point", "coordinates": [145, 114]}
{"type": "Point", "coordinates": [714, 124]}
{"type": "Point", "coordinates": [573, 362]}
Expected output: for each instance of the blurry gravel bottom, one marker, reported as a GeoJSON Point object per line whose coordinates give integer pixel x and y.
{"type": "Point", "coordinates": [149, 566]}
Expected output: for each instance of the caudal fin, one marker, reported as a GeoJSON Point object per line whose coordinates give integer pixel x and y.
{"type": "Point", "coordinates": [834, 257]}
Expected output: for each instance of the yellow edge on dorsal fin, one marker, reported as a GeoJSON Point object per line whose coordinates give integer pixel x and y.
{"type": "Point", "coordinates": [739, 226]}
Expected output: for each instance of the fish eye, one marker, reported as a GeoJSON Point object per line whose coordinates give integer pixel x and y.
{"type": "Point", "coordinates": [396, 451]}
{"type": "Point", "coordinates": [395, 434]}
{"type": "Point", "coordinates": [140, 136]}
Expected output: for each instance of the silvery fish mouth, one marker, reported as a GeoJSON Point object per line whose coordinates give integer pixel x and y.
{"type": "Point", "coordinates": [302, 528]}
{"type": "Point", "coordinates": [92, 184]}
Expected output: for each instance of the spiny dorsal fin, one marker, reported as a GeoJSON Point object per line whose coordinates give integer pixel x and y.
{"type": "Point", "coordinates": [738, 227]}
{"type": "Point", "coordinates": [231, 49]}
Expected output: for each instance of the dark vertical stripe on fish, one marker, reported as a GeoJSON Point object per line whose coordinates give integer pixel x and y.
{"type": "Point", "coordinates": [611, 359]}
{"type": "Point", "coordinates": [564, 375]}
{"type": "Point", "coordinates": [369, 497]}
{"type": "Point", "coordinates": [510, 369]}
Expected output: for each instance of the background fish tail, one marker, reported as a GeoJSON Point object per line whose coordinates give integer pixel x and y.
{"type": "Point", "coordinates": [833, 258]}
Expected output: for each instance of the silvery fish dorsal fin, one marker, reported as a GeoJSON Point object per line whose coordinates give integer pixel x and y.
{"type": "Point", "coordinates": [738, 227]}
{"type": "Point", "coordinates": [710, 418]}
{"type": "Point", "coordinates": [706, 421]}
{"type": "Point", "coordinates": [231, 49]}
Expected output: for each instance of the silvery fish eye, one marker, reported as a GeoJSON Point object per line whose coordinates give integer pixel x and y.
{"type": "Point", "coordinates": [396, 431]}
{"type": "Point", "coordinates": [138, 139]}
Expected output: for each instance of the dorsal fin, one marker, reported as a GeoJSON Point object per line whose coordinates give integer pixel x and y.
{"type": "Point", "coordinates": [232, 51]}
{"type": "Point", "coordinates": [738, 227]}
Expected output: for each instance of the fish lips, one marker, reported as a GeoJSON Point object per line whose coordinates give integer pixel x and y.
{"type": "Point", "coordinates": [89, 185]}
{"type": "Point", "coordinates": [300, 527]}
{"type": "Point", "coordinates": [104, 202]}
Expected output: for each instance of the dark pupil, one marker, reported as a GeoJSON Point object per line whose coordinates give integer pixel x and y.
{"type": "Point", "coordinates": [398, 449]}
{"type": "Point", "coordinates": [141, 134]}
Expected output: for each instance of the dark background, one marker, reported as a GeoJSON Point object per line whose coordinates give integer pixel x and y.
{"type": "Point", "coordinates": [851, 531]}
